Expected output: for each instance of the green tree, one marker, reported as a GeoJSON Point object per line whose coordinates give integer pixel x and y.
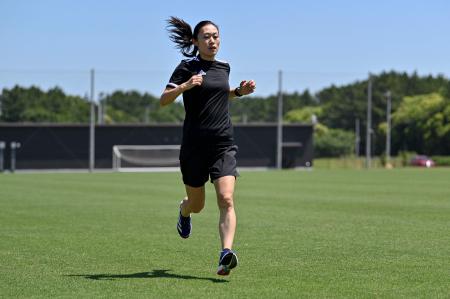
{"type": "Point", "coordinates": [253, 109]}
{"type": "Point", "coordinates": [134, 107]}
{"type": "Point", "coordinates": [423, 123]}
{"type": "Point", "coordinates": [33, 105]}
{"type": "Point", "coordinates": [333, 142]}
{"type": "Point", "coordinates": [336, 108]}
{"type": "Point", "coordinates": [304, 115]}
{"type": "Point", "coordinates": [343, 105]}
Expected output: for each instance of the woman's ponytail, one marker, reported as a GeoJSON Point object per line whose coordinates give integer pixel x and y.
{"type": "Point", "coordinates": [180, 33]}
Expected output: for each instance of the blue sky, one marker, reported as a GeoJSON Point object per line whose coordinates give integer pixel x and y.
{"type": "Point", "coordinates": [315, 43]}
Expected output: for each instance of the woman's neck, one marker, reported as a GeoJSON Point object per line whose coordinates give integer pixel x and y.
{"type": "Point", "coordinates": [207, 57]}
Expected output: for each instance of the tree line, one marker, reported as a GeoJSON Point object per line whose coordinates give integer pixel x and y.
{"type": "Point", "coordinates": [420, 111]}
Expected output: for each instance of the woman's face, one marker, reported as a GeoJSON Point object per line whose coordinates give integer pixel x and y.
{"type": "Point", "coordinates": [208, 41]}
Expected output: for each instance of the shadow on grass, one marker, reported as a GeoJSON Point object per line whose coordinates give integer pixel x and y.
{"type": "Point", "coordinates": [152, 274]}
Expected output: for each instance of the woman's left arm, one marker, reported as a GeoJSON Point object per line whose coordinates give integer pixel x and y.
{"type": "Point", "coordinates": [245, 88]}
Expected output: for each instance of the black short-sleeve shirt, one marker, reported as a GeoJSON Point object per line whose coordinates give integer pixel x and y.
{"type": "Point", "coordinates": [207, 106]}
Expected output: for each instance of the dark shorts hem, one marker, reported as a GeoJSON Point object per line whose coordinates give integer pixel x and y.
{"type": "Point", "coordinates": [194, 184]}
{"type": "Point", "coordinates": [197, 166]}
{"type": "Point", "coordinates": [236, 175]}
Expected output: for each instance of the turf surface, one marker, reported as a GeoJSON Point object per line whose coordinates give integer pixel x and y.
{"type": "Point", "coordinates": [315, 234]}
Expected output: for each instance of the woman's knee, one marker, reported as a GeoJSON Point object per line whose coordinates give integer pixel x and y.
{"type": "Point", "coordinates": [225, 200]}
{"type": "Point", "coordinates": [196, 199]}
{"type": "Point", "coordinates": [196, 205]}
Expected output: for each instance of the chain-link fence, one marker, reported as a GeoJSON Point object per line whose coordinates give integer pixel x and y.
{"type": "Point", "coordinates": [336, 103]}
{"type": "Point", "coordinates": [131, 96]}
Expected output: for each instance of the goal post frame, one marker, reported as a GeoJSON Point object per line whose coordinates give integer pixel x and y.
{"type": "Point", "coordinates": [117, 155]}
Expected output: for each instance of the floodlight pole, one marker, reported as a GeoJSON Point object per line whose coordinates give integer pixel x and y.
{"type": "Point", "coordinates": [14, 146]}
{"type": "Point", "coordinates": [147, 114]}
{"type": "Point", "coordinates": [357, 137]}
{"type": "Point", "coordinates": [388, 128]}
{"type": "Point", "coordinates": [369, 123]}
{"type": "Point", "coordinates": [103, 109]}
{"type": "Point", "coordinates": [99, 110]}
{"type": "Point", "coordinates": [92, 126]}
{"type": "Point", "coordinates": [280, 121]}
{"type": "Point", "coordinates": [2, 150]}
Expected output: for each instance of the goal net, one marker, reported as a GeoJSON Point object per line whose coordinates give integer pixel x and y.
{"type": "Point", "coordinates": [145, 157]}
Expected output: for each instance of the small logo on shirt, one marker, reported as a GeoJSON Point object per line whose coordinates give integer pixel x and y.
{"type": "Point", "coordinates": [202, 73]}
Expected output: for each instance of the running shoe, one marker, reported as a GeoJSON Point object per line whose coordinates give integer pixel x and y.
{"type": "Point", "coordinates": [184, 225]}
{"type": "Point", "coordinates": [227, 261]}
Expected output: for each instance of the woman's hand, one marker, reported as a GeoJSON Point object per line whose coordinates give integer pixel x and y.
{"type": "Point", "coordinates": [247, 87]}
{"type": "Point", "coordinates": [170, 94]}
{"type": "Point", "coordinates": [195, 80]}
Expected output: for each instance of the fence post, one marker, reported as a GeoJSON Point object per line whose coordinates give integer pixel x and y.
{"type": "Point", "coordinates": [280, 122]}
{"type": "Point", "coordinates": [2, 150]}
{"type": "Point", "coordinates": [14, 145]}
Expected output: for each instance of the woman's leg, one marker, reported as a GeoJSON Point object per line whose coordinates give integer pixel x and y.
{"type": "Point", "coordinates": [227, 221]}
{"type": "Point", "coordinates": [194, 202]}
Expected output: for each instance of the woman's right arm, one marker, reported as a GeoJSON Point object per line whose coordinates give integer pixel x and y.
{"type": "Point", "coordinates": [171, 93]}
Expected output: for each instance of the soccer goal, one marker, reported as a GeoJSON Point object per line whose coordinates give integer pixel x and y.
{"type": "Point", "coordinates": [132, 158]}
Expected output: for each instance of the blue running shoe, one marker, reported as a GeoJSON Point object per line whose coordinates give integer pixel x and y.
{"type": "Point", "coordinates": [184, 226]}
{"type": "Point", "coordinates": [227, 261]}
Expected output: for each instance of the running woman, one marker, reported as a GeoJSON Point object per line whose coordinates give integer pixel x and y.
{"type": "Point", "coordinates": [207, 150]}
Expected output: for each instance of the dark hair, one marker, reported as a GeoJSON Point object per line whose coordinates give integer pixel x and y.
{"type": "Point", "coordinates": [181, 34]}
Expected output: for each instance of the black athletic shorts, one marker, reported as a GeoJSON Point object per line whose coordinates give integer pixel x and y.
{"type": "Point", "coordinates": [202, 161]}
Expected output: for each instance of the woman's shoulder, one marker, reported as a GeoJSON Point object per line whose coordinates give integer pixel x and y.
{"type": "Point", "coordinates": [190, 61]}
{"type": "Point", "coordinates": [188, 64]}
{"type": "Point", "coordinates": [223, 62]}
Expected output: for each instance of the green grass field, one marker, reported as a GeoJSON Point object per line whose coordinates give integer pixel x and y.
{"type": "Point", "coordinates": [301, 234]}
